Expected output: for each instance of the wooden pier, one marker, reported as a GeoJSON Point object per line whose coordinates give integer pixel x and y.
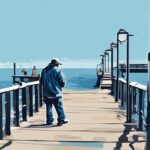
{"type": "Point", "coordinates": [135, 68]}
{"type": "Point", "coordinates": [96, 122]}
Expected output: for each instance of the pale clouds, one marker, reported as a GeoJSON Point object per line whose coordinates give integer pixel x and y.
{"type": "Point", "coordinates": [5, 65]}
{"type": "Point", "coordinates": [67, 63]}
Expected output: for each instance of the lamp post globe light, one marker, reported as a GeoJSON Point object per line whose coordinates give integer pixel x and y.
{"type": "Point", "coordinates": [113, 45]}
{"type": "Point", "coordinates": [123, 36]}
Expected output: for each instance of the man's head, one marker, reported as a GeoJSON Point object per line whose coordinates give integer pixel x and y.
{"type": "Point", "coordinates": [55, 62]}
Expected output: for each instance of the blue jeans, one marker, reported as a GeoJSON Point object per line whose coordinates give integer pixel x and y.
{"type": "Point", "coordinates": [58, 104]}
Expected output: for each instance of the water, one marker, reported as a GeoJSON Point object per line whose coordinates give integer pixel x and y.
{"type": "Point", "coordinates": [142, 78]}
{"type": "Point", "coordinates": [77, 79]}
{"type": "Point", "coordinates": [80, 79]}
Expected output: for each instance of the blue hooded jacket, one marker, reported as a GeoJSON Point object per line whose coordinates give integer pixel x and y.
{"type": "Point", "coordinates": [53, 80]}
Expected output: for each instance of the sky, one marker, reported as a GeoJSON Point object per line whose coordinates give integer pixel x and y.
{"type": "Point", "coordinates": [76, 31]}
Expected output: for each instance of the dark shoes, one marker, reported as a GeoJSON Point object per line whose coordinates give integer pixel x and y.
{"type": "Point", "coordinates": [50, 123]}
{"type": "Point", "coordinates": [60, 123]}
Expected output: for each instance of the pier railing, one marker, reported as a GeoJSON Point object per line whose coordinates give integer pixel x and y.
{"type": "Point", "coordinates": [138, 100]}
{"type": "Point", "coordinates": [16, 103]}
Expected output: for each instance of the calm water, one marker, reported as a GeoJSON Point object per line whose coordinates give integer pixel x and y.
{"type": "Point", "coordinates": [76, 78]}
{"type": "Point", "coordinates": [80, 79]}
{"type": "Point", "coordinates": [139, 77]}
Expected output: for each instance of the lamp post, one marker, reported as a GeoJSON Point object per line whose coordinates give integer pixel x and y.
{"type": "Point", "coordinates": [102, 62]}
{"type": "Point", "coordinates": [105, 53]}
{"type": "Point", "coordinates": [105, 61]}
{"type": "Point", "coordinates": [117, 76]}
{"type": "Point", "coordinates": [110, 50]}
{"type": "Point", "coordinates": [14, 73]}
{"type": "Point", "coordinates": [123, 36]}
{"type": "Point", "coordinates": [148, 106]}
{"type": "Point", "coordinates": [112, 46]}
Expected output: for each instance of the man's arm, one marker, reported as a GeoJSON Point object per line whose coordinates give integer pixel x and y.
{"type": "Point", "coordinates": [61, 78]}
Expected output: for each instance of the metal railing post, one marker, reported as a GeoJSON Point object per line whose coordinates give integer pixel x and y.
{"type": "Point", "coordinates": [16, 107]}
{"type": "Point", "coordinates": [119, 90]}
{"type": "Point", "coordinates": [112, 87]}
{"type": "Point", "coordinates": [122, 94]}
{"type": "Point", "coordinates": [30, 101]}
{"type": "Point", "coordinates": [130, 103]}
{"type": "Point", "coordinates": [14, 79]}
{"type": "Point", "coordinates": [134, 100]}
{"type": "Point", "coordinates": [1, 118]}
{"type": "Point", "coordinates": [40, 95]}
{"type": "Point", "coordinates": [7, 111]}
{"type": "Point", "coordinates": [36, 99]}
{"type": "Point", "coordinates": [140, 120]}
{"type": "Point", "coordinates": [24, 105]}
{"type": "Point", "coordinates": [115, 88]}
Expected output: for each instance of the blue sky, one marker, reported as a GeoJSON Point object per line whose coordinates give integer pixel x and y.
{"type": "Point", "coordinates": [76, 31]}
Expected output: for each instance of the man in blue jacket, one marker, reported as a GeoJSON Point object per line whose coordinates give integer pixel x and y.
{"type": "Point", "coordinates": [52, 81]}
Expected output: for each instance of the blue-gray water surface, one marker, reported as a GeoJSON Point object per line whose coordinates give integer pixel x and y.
{"type": "Point", "coordinates": [80, 79]}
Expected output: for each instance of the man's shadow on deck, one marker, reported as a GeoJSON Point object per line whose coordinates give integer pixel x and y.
{"type": "Point", "coordinates": [124, 139]}
{"type": "Point", "coordinates": [44, 125]}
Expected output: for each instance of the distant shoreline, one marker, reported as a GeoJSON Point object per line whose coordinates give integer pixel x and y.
{"type": "Point", "coordinates": [41, 68]}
